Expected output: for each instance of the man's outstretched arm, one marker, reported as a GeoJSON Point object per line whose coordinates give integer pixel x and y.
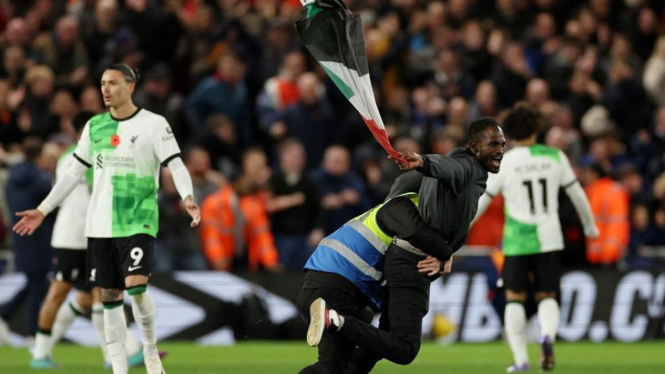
{"type": "Point", "coordinates": [32, 219]}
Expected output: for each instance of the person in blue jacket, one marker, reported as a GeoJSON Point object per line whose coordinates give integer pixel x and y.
{"type": "Point", "coordinates": [26, 187]}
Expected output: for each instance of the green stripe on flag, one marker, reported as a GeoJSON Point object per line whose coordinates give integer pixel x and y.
{"type": "Point", "coordinates": [346, 90]}
{"type": "Point", "coordinates": [312, 10]}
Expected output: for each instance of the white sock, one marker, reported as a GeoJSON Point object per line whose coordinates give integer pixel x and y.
{"type": "Point", "coordinates": [515, 321]}
{"type": "Point", "coordinates": [98, 323]}
{"type": "Point", "coordinates": [336, 318]}
{"type": "Point", "coordinates": [115, 331]}
{"type": "Point", "coordinates": [42, 344]}
{"type": "Point", "coordinates": [144, 315]}
{"type": "Point", "coordinates": [132, 346]}
{"type": "Point", "coordinates": [67, 313]}
{"type": "Point", "coordinates": [548, 315]}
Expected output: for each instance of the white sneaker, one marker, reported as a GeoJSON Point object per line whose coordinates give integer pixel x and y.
{"type": "Point", "coordinates": [4, 332]}
{"type": "Point", "coordinates": [153, 365]}
{"type": "Point", "coordinates": [320, 320]}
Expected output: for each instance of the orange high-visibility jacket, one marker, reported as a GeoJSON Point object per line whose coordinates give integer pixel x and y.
{"type": "Point", "coordinates": [609, 203]}
{"type": "Point", "coordinates": [231, 225]}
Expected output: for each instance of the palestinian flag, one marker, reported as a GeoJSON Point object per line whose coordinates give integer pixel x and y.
{"type": "Point", "coordinates": [334, 36]}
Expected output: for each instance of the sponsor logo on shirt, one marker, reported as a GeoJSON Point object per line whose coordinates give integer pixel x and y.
{"type": "Point", "coordinates": [115, 161]}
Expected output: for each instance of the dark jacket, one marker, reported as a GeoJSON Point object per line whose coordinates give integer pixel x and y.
{"type": "Point", "coordinates": [449, 189]}
{"type": "Point", "coordinates": [26, 187]}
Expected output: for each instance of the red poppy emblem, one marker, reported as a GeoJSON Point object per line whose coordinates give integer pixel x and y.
{"type": "Point", "coordinates": [115, 140]}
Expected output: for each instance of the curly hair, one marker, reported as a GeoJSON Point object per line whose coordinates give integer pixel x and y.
{"type": "Point", "coordinates": [522, 122]}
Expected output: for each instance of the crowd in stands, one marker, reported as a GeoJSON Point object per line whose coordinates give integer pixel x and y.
{"type": "Point", "coordinates": [278, 156]}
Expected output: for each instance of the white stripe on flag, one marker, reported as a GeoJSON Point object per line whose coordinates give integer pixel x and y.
{"type": "Point", "coordinates": [363, 100]}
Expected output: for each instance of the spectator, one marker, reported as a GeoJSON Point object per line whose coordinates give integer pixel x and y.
{"type": "Point", "coordinates": [512, 75]}
{"type": "Point", "coordinates": [485, 101]}
{"type": "Point", "coordinates": [632, 182]}
{"type": "Point", "coordinates": [541, 43]}
{"type": "Point", "coordinates": [9, 132]}
{"type": "Point", "coordinates": [584, 93]}
{"type": "Point", "coordinates": [458, 112]}
{"type": "Point", "coordinates": [659, 226]}
{"type": "Point", "coordinates": [156, 28]}
{"type": "Point", "coordinates": [27, 186]}
{"type": "Point", "coordinates": [280, 92]}
{"type": "Point", "coordinates": [381, 173]}
{"type": "Point", "coordinates": [157, 96]}
{"type": "Point", "coordinates": [474, 58]}
{"type": "Point", "coordinates": [220, 141]}
{"type": "Point", "coordinates": [537, 93]}
{"type": "Point", "coordinates": [625, 98]}
{"type": "Point", "coordinates": [642, 233]}
{"type": "Point", "coordinates": [450, 78]}
{"type": "Point", "coordinates": [235, 232]}
{"type": "Point", "coordinates": [197, 54]}
{"type": "Point", "coordinates": [91, 100]}
{"type": "Point", "coordinates": [310, 120]}
{"type": "Point", "coordinates": [344, 194]}
{"type": "Point", "coordinates": [66, 54]}
{"type": "Point", "coordinates": [224, 92]}
{"type": "Point", "coordinates": [64, 107]}
{"type": "Point", "coordinates": [654, 73]}
{"type": "Point", "coordinates": [563, 119]}
{"type": "Point", "coordinates": [295, 208]}
{"type": "Point", "coordinates": [609, 203]}
{"type": "Point", "coordinates": [14, 64]}
{"type": "Point", "coordinates": [36, 107]}
{"type": "Point", "coordinates": [100, 30]}
{"type": "Point", "coordinates": [643, 36]}
{"type": "Point", "coordinates": [560, 66]}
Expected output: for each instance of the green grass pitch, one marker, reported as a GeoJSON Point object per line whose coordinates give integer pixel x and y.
{"type": "Point", "coordinates": [290, 357]}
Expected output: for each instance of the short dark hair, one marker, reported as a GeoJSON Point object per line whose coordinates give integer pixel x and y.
{"type": "Point", "coordinates": [522, 122]}
{"type": "Point", "coordinates": [81, 118]}
{"type": "Point", "coordinates": [478, 126]}
{"type": "Point", "coordinates": [131, 75]}
{"type": "Point", "coordinates": [597, 168]}
{"type": "Point", "coordinates": [32, 148]}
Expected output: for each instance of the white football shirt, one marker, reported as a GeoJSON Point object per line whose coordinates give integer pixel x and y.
{"type": "Point", "coordinates": [126, 156]}
{"type": "Point", "coordinates": [529, 180]}
{"type": "Point", "coordinates": [69, 228]}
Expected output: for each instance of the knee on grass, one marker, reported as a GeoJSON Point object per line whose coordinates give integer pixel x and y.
{"type": "Point", "coordinates": [408, 353]}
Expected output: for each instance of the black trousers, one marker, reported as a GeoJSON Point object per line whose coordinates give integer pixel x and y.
{"type": "Point", "coordinates": [400, 328]}
{"type": "Point", "coordinates": [343, 296]}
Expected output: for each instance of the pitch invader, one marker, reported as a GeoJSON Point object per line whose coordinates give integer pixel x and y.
{"type": "Point", "coordinates": [529, 180]}
{"type": "Point", "coordinates": [125, 147]}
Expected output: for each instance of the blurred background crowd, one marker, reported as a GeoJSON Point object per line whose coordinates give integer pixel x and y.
{"type": "Point", "coordinates": [278, 156]}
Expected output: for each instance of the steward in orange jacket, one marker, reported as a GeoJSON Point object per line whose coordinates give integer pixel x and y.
{"type": "Point", "coordinates": [234, 224]}
{"type": "Point", "coordinates": [609, 203]}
